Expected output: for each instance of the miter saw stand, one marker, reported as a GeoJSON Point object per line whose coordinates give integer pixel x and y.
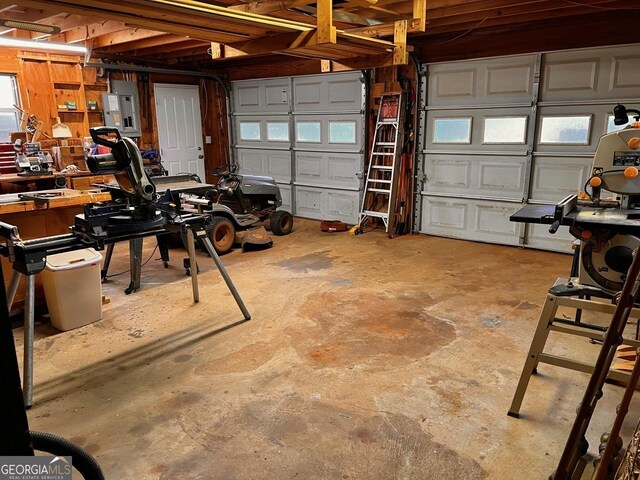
{"type": "Point", "coordinates": [608, 234]}
{"type": "Point", "coordinates": [142, 215]}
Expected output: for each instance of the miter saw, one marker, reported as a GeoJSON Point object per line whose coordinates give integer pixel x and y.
{"type": "Point", "coordinates": [606, 217]}
{"type": "Point", "coordinates": [137, 209]}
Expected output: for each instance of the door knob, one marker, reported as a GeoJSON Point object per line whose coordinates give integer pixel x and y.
{"type": "Point", "coordinates": [200, 156]}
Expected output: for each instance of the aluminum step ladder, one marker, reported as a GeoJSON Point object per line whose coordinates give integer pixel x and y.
{"type": "Point", "coordinates": [381, 184]}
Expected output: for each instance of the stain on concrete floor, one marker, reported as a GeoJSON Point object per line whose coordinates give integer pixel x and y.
{"type": "Point", "coordinates": [305, 438]}
{"type": "Point", "coordinates": [312, 261]}
{"type": "Point", "coordinates": [391, 336]}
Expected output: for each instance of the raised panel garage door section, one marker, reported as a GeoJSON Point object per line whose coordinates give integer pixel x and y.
{"type": "Point", "coordinates": [308, 133]}
{"type": "Point", "coordinates": [501, 132]}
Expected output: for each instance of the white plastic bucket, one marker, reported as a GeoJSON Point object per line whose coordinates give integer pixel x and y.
{"type": "Point", "coordinates": [73, 288]}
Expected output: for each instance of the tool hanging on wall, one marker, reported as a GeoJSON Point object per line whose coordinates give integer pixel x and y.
{"type": "Point", "coordinates": [30, 124]}
{"type": "Point", "coordinates": [381, 185]}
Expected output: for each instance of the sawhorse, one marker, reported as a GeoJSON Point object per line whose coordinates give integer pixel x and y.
{"type": "Point", "coordinates": [196, 229]}
{"type": "Point", "coordinates": [566, 293]}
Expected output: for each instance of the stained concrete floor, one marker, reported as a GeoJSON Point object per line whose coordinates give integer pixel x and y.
{"type": "Point", "coordinates": [366, 358]}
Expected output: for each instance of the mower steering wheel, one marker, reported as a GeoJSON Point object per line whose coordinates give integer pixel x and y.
{"type": "Point", "coordinates": [226, 170]}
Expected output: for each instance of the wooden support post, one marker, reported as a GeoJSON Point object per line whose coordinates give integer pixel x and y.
{"type": "Point", "coordinates": [326, 30]}
{"type": "Point", "coordinates": [400, 55]}
{"type": "Point", "coordinates": [420, 14]}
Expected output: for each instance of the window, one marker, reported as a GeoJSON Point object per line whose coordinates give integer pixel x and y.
{"type": "Point", "coordinates": [277, 131]}
{"type": "Point", "coordinates": [452, 130]}
{"type": "Point", "coordinates": [8, 114]}
{"type": "Point", "coordinates": [342, 132]}
{"type": "Point", "coordinates": [612, 127]}
{"type": "Point", "coordinates": [505, 130]}
{"type": "Point", "coordinates": [573, 130]}
{"type": "Point", "coordinates": [308, 132]}
{"type": "Point", "coordinates": [250, 131]}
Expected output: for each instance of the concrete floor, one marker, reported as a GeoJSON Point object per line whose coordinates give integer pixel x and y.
{"type": "Point", "coordinates": [366, 358]}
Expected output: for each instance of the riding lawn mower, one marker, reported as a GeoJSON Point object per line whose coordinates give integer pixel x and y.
{"type": "Point", "coordinates": [240, 202]}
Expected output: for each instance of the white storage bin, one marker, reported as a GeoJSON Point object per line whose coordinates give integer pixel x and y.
{"type": "Point", "coordinates": [73, 288]}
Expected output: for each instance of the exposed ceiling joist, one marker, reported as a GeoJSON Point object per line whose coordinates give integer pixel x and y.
{"type": "Point", "coordinates": [203, 21]}
{"type": "Point", "coordinates": [479, 14]}
{"type": "Point", "coordinates": [124, 36]}
{"type": "Point", "coordinates": [183, 30]}
{"type": "Point", "coordinates": [86, 32]}
{"type": "Point", "coordinates": [142, 46]}
{"type": "Point", "coordinates": [65, 23]}
{"type": "Point", "coordinates": [165, 24]}
{"type": "Point", "coordinates": [175, 49]}
{"type": "Point", "coordinates": [269, 6]}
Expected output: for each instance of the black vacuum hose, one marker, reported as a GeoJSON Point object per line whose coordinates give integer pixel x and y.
{"type": "Point", "coordinates": [55, 445]}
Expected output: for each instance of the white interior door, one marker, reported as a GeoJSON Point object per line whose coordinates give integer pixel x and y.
{"type": "Point", "coordinates": [180, 128]}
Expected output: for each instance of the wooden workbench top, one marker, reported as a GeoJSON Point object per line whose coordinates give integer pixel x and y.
{"type": "Point", "coordinates": [14, 177]}
{"type": "Point", "coordinates": [11, 203]}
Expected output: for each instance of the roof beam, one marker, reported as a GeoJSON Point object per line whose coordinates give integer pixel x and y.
{"type": "Point", "coordinates": [192, 51]}
{"type": "Point", "coordinates": [125, 36]}
{"type": "Point", "coordinates": [86, 32]}
{"type": "Point", "coordinates": [173, 49]}
{"type": "Point", "coordinates": [64, 22]}
{"type": "Point", "coordinates": [269, 6]}
{"type": "Point", "coordinates": [178, 26]}
{"type": "Point", "coordinates": [551, 9]}
{"type": "Point", "coordinates": [285, 41]}
{"type": "Point", "coordinates": [386, 29]}
{"type": "Point", "coordinates": [360, 63]}
{"type": "Point", "coordinates": [133, 48]}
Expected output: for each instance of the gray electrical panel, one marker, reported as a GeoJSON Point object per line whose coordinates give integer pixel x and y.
{"type": "Point", "coordinates": [121, 108]}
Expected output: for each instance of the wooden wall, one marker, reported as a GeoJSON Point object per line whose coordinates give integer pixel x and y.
{"type": "Point", "coordinates": [46, 80]}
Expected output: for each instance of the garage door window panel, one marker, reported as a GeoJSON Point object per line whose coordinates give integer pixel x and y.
{"type": "Point", "coordinates": [277, 131]}
{"type": "Point", "coordinates": [452, 130]}
{"type": "Point", "coordinates": [342, 132]}
{"type": "Point", "coordinates": [250, 131]}
{"type": "Point", "coordinates": [504, 130]}
{"type": "Point", "coordinates": [565, 130]}
{"type": "Point", "coordinates": [308, 132]}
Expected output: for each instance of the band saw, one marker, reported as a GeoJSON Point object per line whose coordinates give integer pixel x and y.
{"type": "Point", "coordinates": [605, 218]}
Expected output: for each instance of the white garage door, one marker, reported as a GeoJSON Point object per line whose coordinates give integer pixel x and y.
{"type": "Point", "coordinates": [504, 131]}
{"type": "Point", "coordinates": [308, 133]}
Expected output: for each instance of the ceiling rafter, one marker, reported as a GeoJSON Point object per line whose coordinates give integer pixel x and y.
{"type": "Point", "coordinates": [345, 32]}
{"type": "Point", "coordinates": [203, 21]}
{"type": "Point", "coordinates": [142, 46]}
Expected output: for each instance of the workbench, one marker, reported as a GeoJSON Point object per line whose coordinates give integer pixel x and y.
{"type": "Point", "coordinates": [14, 183]}
{"type": "Point", "coordinates": [37, 219]}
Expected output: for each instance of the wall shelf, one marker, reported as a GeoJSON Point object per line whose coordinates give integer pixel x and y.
{"type": "Point", "coordinates": [67, 85]}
